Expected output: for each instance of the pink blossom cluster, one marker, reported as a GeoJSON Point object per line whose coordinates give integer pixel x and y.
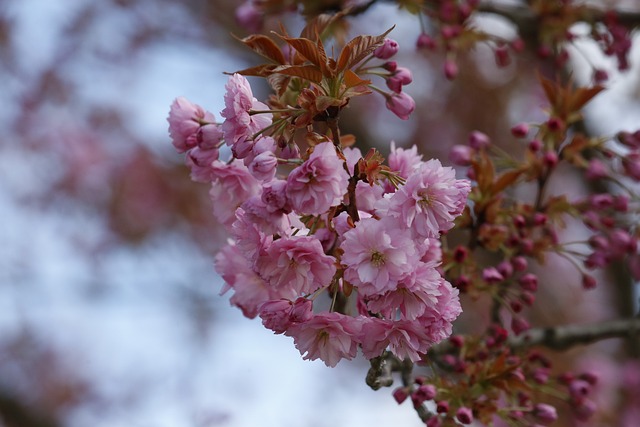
{"type": "Point", "coordinates": [308, 225]}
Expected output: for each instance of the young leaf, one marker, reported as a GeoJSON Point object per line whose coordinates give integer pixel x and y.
{"type": "Point", "coordinates": [351, 79]}
{"type": "Point", "coordinates": [358, 49]}
{"type": "Point", "coordinates": [264, 46]}
{"type": "Point", "coordinates": [263, 70]}
{"type": "Point", "coordinates": [307, 72]}
{"type": "Point", "coordinates": [309, 50]}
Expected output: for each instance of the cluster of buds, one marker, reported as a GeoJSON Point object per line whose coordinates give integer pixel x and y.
{"type": "Point", "coordinates": [328, 221]}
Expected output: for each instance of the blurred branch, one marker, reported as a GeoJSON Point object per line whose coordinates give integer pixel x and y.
{"type": "Point", "coordinates": [16, 413]}
{"type": "Point", "coordinates": [527, 20]}
{"type": "Point", "coordinates": [563, 337]}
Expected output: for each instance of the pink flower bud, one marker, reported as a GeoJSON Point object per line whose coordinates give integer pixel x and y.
{"type": "Point", "coordinates": [425, 392]}
{"type": "Point", "coordinates": [460, 254]}
{"type": "Point", "coordinates": [517, 45]}
{"type": "Point", "coordinates": [249, 17]}
{"type": "Point", "coordinates": [541, 375]}
{"type": "Point", "coordinates": [442, 407]}
{"type": "Point", "coordinates": [478, 140]}
{"type": "Point", "coordinates": [584, 410]}
{"type": "Point", "coordinates": [263, 166]}
{"type": "Point", "coordinates": [401, 77]}
{"type": "Point", "coordinates": [550, 159]}
{"type": "Point", "coordinates": [519, 263]}
{"type": "Point", "coordinates": [400, 394]}
{"type": "Point", "coordinates": [387, 50]}
{"type": "Point", "coordinates": [516, 306]}
{"type": "Point", "coordinates": [460, 155]}
{"type": "Point", "coordinates": [631, 165]}
{"type": "Point", "coordinates": [590, 377]}
{"type": "Point", "coordinates": [491, 275]}
{"type": "Point", "coordinates": [520, 130]}
{"type": "Point", "coordinates": [390, 66]}
{"type": "Point", "coordinates": [529, 282]}
{"type": "Point", "coordinates": [535, 145]}
{"type": "Point", "coordinates": [464, 415]}
{"type": "Point", "coordinates": [579, 389]}
{"type": "Point", "coordinates": [555, 124]}
{"type": "Point", "coordinates": [519, 325]}
{"type": "Point", "coordinates": [450, 69]}
{"type": "Point", "coordinates": [528, 298]}
{"type": "Point", "coordinates": [434, 421]}
{"type": "Point", "coordinates": [597, 170]}
{"type": "Point", "coordinates": [539, 219]}
{"type": "Point", "coordinates": [622, 242]}
{"type": "Point", "coordinates": [401, 104]}
{"type": "Point", "coordinates": [502, 56]}
{"type": "Point", "coordinates": [457, 341]}
{"type": "Point", "coordinates": [600, 75]}
{"type": "Point", "coordinates": [505, 268]}
{"type": "Point", "coordinates": [450, 31]}
{"type": "Point", "coordinates": [425, 42]}
{"type": "Point", "coordinates": [621, 203]}
{"type": "Point", "coordinates": [546, 414]}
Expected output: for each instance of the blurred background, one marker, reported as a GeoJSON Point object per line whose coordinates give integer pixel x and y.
{"type": "Point", "coordinates": [109, 306]}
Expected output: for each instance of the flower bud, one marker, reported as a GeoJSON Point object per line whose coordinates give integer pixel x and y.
{"type": "Point", "coordinates": [401, 104]}
{"type": "Point", "coordinates": [529, 282]}
{"type": "Point", "coordinates": [519, 263]}
{"type": "Point", "coordinates": [400, 394]}
{"type": "Point", "coordinates": [450, 69]}
{"type": "Point", "coordinates": [491, 275]}
{"type": "Point", "coordinates": [387, 50]}
{"type": "Point", "coordinates": [464, 415]}
{"type": "Point", "coordinates": [520, 130]}
{"type": "Point", "coordinates": [502, 56]}
{"type": "Point", "coordinates": [478, 140]}
{"type": "Point", "coordinates": [442, 407]}
{"type": "Point", "coordinates": [546, 414]}
{"type": "Point", "coordinates": [460, 155]}
{"type": "Point", "coordinates": [597, 170]}
{"type": "Point", "coordinates": [519, 325]}
{"type": "Point", "coordinates": [249, 17]}
{"type": "Point", "coordinates": [425, 42]}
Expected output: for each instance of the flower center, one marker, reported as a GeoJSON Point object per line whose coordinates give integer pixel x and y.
{"type": "Point", "coordinates": [425, 198]}
{"type": "Point", "coordinates": [377, 259]}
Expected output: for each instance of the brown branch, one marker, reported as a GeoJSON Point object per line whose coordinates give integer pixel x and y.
{"type": "Point", "coordinates": [563, 337]}
{"type": "Point", "coordinates": [16, 413]}
{"type": "Point", "coordinates": [527, 20]}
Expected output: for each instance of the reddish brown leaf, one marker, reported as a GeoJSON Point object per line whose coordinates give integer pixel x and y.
{"type": "Point", "coordinates": [351, 79]}
{"type": "Point", "coordinates": [505, 180]}
{"type": "Point", "coordinates": [307, 72]}
{"type": "Point", "coordinates": [358, 49]}
{"type": "Point", "coordinates": [263, 70]}
{"type": "Point", "coordinates": [582, 96]}
{"type": "Point", "coordinates": [550, 90]}
{"type": "Point", "coordinates": [265, 47]}
{"type": "Point", "coordinates": [279, 82]}
{"type": "Point", "coordinates": [309, 50]}
{"type": "Point", "coordinates": [316, 26]}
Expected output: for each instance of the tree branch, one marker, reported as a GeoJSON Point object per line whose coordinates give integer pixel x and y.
{"type": "Point", "coordinates": [563, 337]}
{"type": "Point", "coordinates": [527, 20]}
